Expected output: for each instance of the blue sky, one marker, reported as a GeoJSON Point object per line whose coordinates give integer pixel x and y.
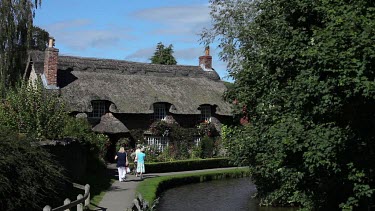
{"type": "Point", "coordinates": [128, 29]}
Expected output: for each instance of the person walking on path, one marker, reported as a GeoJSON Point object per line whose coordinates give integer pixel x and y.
{"type": "Point", "coordinates": [122, 162]}
{"type": "Point", "coordinates": [140, 157]}
{"type": "Point", "coordinates": [138, 149]}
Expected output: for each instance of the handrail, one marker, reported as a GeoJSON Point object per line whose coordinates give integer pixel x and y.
{"type": "Point", "coordinates": [85, 199]}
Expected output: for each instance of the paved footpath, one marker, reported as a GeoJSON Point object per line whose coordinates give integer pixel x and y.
{"type": "Point", "coordinates": [121, 194]}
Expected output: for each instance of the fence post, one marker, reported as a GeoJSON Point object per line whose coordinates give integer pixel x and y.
{"type": "Point", "coordinates": [79, 206]}
{"type": "Point", "coordinates": [47, 208]}
{"type": "Point", "coordinates": [67, 201]}
{"type": "Point", "coordinates": [87, 190]}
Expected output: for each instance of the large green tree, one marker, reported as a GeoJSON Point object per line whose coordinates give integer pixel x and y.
{"type": "Point", "coordinates": [163, 55]}
{"type": "Point", "coordinates": [16, 21]}
{"type": "Point", "coordinates": [305, 73]}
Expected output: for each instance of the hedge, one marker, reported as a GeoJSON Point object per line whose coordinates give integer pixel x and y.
{"type": "Point", "coordinates": [187, 165]}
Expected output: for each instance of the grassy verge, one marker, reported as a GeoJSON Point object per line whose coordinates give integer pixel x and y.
{"type": "Point", "coordinates": [98, 178]}
{"type": "Point", "coordinates": [151, 188]}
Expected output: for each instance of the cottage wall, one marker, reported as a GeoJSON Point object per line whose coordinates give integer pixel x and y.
{"type": "Point", "coordinates": [143, 121]}
{"type": "Point", "coordinates": [135, 121]}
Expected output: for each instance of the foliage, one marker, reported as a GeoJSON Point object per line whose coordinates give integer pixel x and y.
{"type": "Point", "coordinates": [181, 140]}
{"type": "Point", "coordinates": [29, 176]}
{"type": "Point", "coordinates": [161, 128]}
{"type": "Point", "coordinates": [97, 176]}
{"type": "Point", "coordinates": [153, 187]}
{"type": "Point", "coordinates": [16, 20]}
{"type": "Point", "coordinates": [40, 114]}
{"type": "Point", "coordinates": [163, 55]}
{"type": "Point", "coordinates": [207, 128]}
{"type": "Point", "coordinates": [34, 111]}
{"type": "Point", "coordinates": [123, 142]}
{"type": "Point", "coordinates": [80, 130]}
{"type": "Point", "coordinates": [187, 165]}
{"type": "Point", "coordinates": [138, 136]}
{"type": "Point", "coordinates": [39, 39]}
{"type": "Point", "coordinates": [207, 147]}
{"type": "Point", "coordinates": [304, 70]}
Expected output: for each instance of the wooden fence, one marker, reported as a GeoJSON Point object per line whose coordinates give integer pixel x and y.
{"type": "Point", "coordinates": [81, 202]}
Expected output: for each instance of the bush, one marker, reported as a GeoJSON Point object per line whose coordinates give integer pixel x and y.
{"type": "Point", "coordinates": [207, 147]}
{"type": "Point", "coordinates": [34, 111]}
{"type": "Point", "coordinates": [80, 130]}
{"type": "Point", "coordinates": [187, 165]}
{"type": "Point", "coordinates": [29, 176]}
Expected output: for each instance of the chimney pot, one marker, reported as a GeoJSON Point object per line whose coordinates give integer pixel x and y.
{"type": "Point", "coordinates": [205, 62]}
{"type": "Point", "coordinates": [51, 42]}
{"type": "Point", "coordinates": [207, 51]}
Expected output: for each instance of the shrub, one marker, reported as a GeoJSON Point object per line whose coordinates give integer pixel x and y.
{"type": "Point", "coordinates": [207, 147]}
{"type": "Point", "coordinates": [29, 176]}
{"type": "Point", "coordinates": [187, 165]}
{"type": "Point", "coordinates": [33, 111]}
{"type": "Point", "coordinates": [80, 130]}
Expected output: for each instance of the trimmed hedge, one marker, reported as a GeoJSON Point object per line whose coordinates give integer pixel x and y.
{"type": "Point", "coordinates": [187, 165]}
{"type": "Point", "coordinates": [151, 188]}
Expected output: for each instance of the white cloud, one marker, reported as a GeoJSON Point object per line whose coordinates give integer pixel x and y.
{"type": "Point", "coordinates": [141, 55]}
{"type": "Point", "coordinates": [80, 34]}
{"type": "Point", "coordinates": [63, 25]}
{"type": "Point", "coordinates": [176, 15]}
{"type": "Point", "coordinates": [177, 20]}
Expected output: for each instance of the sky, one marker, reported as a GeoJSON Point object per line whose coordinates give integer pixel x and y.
{"type": "Point", "coordinates": [129, 29]}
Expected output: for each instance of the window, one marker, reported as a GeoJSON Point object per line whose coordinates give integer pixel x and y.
{"type": "Point", "coordinates": [206, 113]}
{"type": "Point", "coordinates": [159, 111]}
{"type": "Point", "coordinates": [98, 109]}
{"type": "Point", "coordinates": [158, 142]}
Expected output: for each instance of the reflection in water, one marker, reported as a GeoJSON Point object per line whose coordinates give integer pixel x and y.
{"type": "Point", "coordinates": [231, 194]}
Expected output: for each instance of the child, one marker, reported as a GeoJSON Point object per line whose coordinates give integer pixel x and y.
{"type": "Point", "coordinates": [140, 157]}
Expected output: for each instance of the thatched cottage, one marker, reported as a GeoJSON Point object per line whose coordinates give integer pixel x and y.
{"type": "Point", "coordinates": [117, 96]}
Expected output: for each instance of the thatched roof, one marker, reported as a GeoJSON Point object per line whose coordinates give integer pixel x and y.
{"type": "Point", "coordinates": [110, 124]}
{"type": "Point", "coordinates": [134, 87]}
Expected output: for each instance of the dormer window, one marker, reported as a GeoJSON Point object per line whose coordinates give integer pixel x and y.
{"type": "Point", "coordinates": [205, 113]}
{"type": "Point", "coordinates": [160, 112]}
{"type": "Point", "coordinates": [99, 108]}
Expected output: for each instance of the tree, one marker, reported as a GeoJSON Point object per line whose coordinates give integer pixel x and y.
{"type": "Point", "coordinates": [30, 109]}
{"type": "Point", "coordinates": [305, 72]}
{"type": "Point", "coordinates": [16, 21]}
{"type": "Point", "coordinates": [39, 39]}
{"type": "Point", "coordinates": [163, 55]}
{"type": "Point", "coordinates": [41, 115]}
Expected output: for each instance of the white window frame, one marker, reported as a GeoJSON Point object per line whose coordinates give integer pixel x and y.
{"type": "Point", "coordinates": [158, 142]}
{"type": "Point", "coordinates": [160, 112]}
{"type": "Point", "coordinates": [98, 109]}
{"type": "Point", "coordinates": [206, 113]}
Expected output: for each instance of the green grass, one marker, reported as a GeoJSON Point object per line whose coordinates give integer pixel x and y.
{"type": "Point", "coordinates": [98, 178]}
{"type": "Point", "coordinates": [151, 189]}
{"type": "Point", "coordinates": [97, 195]}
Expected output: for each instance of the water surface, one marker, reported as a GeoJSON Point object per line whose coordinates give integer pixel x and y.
{"type": "Point", "coordinates": [230, 194]}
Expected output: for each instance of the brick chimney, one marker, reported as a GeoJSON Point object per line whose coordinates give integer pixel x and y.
{"type": "Point", "coordinates": [50, 63]}
{"type": "Point", "coordinates": [206, 61]}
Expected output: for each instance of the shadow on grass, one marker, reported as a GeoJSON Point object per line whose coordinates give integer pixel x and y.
{"type": "Point", "coordinates": [100, 179]}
